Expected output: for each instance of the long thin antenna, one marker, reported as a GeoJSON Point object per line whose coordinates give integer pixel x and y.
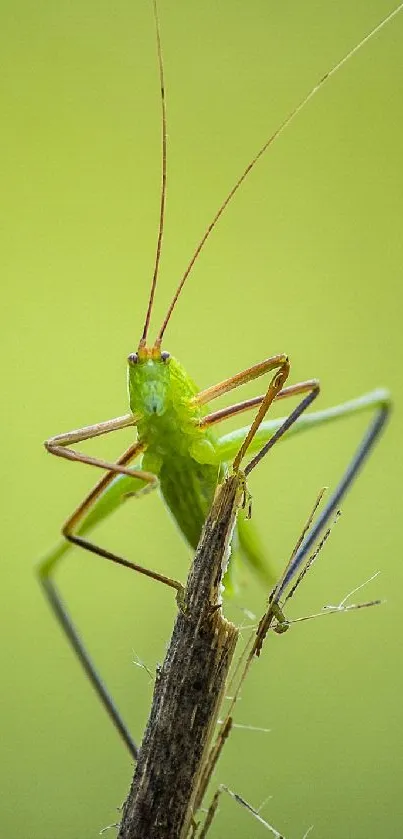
{"type": "Point", "coordinates": [164, 177]}
{"type": "Point", "coordinates": [286, 122]}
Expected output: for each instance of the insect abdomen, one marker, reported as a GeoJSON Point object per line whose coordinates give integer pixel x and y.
{"type": "Point", "coordinates": [188, 488]}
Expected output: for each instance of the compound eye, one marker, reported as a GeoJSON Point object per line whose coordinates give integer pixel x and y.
{"type": "Point", "coordinates": [133, 358]}
{"type": "Point", "coordinates": [165, 356]}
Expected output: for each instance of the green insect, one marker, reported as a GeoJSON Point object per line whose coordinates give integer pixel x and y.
{"type": "Point", "coordinates": [176, 448]}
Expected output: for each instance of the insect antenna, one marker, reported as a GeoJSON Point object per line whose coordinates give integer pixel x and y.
{"type": "Point", "coordinates": [283, 125]}
{"type": "Point", "coordinates": [163, 178]}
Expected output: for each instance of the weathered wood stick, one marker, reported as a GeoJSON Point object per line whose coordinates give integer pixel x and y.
{"type": "Point", "coordinates": [189, 688]}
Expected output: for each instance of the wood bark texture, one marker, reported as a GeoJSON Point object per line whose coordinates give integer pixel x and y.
{"type": "Point", "coordinates": [188, 691]}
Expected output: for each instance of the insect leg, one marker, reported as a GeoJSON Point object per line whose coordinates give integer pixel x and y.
{"type": "Point", "coordinates": [62, 615]}
{"type": "Point", "coordinates": [249, 543]}
{"type": "Point", "coordinates": [275, 362]}
{"type": "Point", "coordinates": [311, 387]}
{"type": "Point", "coordinates": [280, 363]}
{"type": "Point", "coordinates": [47, 567]}
{"type": "Point", "coordinates": [59, 446]}
{"type": "Point", "coordinates": [288, 422]}
{"type": "Point", "coordinates": [228, 444]}
{"type": "Point", "coordinates": [274, 611]}
{"type": "Point", "coordinates": [362, 452]}
{"type": "Point", "coordinates": [248, 404]}
{"type": "Point", "coordinates": [45, 570]}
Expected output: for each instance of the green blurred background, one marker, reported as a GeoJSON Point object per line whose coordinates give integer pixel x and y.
{"type": "Point", "coordinates": [308, 261]}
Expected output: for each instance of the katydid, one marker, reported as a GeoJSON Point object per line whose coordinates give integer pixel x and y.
{"type": "Point", "coordinates": [176, 448]}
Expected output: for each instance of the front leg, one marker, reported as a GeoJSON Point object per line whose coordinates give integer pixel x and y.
{"type": "Point", "coordinates": [280, 364]}
{"type": "Point", "coordinates": [77, 522]}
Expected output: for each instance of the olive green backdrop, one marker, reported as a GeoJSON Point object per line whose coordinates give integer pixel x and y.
{"type": "Point", "coordinates": [308, 260]}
